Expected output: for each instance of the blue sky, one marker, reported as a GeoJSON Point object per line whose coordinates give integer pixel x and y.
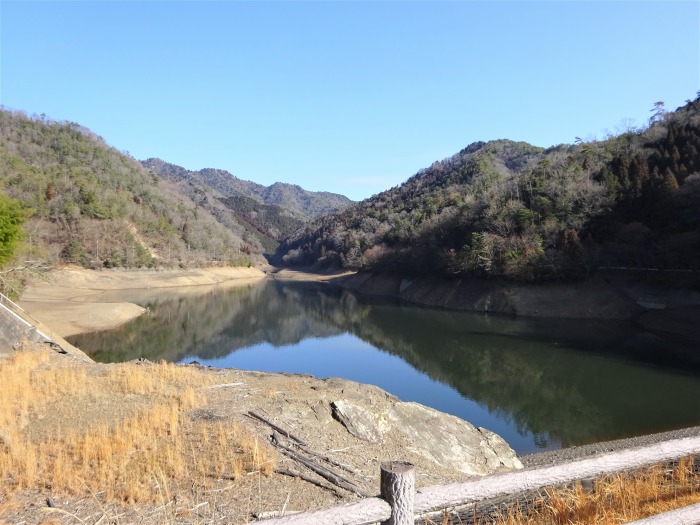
{"type": "Point", "coordinates": [349, 97]}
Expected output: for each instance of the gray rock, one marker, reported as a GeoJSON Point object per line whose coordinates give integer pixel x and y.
{"type": "Point", "coordinates": [443, 439]}
{"type": "Point", "coordinates": [451, 442]}
{"type": "Point", "coordinates": [503, 454]}
{"type": "Point", "coordinates": [360, 422]}
{"type": "Point", "coordinates": [322, 413]}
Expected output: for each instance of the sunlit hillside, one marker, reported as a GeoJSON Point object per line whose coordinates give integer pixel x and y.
{"type": "Point", "coordinates": [512, 210]}
{"type": "Point", "coordinates": [89, 204]}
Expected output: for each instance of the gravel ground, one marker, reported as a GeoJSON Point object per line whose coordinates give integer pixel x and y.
{"type": "Point", "coordinates": [554, 457]}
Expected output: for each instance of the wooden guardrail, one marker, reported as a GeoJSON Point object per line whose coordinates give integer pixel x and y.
{"type": "Point", "coordinates": [635, 269]}
{"type": "Point", "coordinates": [686, 516]}
{"type": "Point", "coordinates": [430, 499]}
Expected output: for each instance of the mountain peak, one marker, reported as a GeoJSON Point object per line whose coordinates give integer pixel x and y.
{"type": "Point", "coordinates": [303, 203]}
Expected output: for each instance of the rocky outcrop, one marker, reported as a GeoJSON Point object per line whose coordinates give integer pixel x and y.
{"type": "Point", "coordinates": [370, 426]}
{"type": "Point", "coordinates": [590, 300]}
{"type": "Point", "coordinates": [445, 440]}
{"type": "Point", "coordinates": [363, 424]}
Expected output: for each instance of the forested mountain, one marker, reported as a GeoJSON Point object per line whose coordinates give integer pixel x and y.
{"type": "Point", "coordinates": [511, 210]}
{"type": "Point", "coordinates": [84, 202]}
{"type": "Point", "coordinates": [270, 222]}
{"type": "Point", "coordinates": [498, 209]}
{"type": "Point", "coordinates": [301, 203]}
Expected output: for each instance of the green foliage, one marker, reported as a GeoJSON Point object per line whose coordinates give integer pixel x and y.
{"type": "Point", "coordinates": [657, 200]}
{"type": "Point", "coordinates": [511, 210]}
{"type": "Point", "coordinates": [11, 220]}
{"type": "Point", "coordinates": [74, 252]}
{"type": "Point", "coordinates": [95, 206]}
{"type": "Point", "coordinates": [297, 202]}
{"type": "Point", "coordinates": [272, 221]}
{"type": "Point", "coordinates": [241, 261]}
{"type": "Point", "coordinates": [115, 259]}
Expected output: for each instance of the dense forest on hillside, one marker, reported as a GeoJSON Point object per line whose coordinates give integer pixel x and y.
{"type": "Point", "coordinates": [511, 210]}
{"type": "Point", "coordinates": [292, 199]}
{"type": "Point", "coordinates": [86, 203]}
{"type": "Point", "coordinates": [271, 222]}
{"type": "Point", "coordinates": [498, 209]}
{"type": "Point", "coordinates": [268, 213]}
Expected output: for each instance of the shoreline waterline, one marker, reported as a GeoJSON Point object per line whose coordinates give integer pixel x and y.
{"type": "Point", "coordinates": [217, 310]}
{"type": "Point", "coordinates": [68, 300]}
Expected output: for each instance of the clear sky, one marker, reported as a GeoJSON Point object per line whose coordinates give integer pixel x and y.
{"type": "Point", "coordinates": [349, 97]}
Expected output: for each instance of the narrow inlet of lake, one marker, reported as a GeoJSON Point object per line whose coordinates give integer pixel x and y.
{"type": "Point", "coordinates": [540, 384]}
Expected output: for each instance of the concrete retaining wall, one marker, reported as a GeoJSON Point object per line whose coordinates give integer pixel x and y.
{"type": "Point", "coordinates": [17, 326]}
{"type": "Point", "coordinates": [14, 329]}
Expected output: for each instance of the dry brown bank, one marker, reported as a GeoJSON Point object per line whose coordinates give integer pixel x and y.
{"type": "Point", "coordinates": [151, 444]}
{"type": "Point", "coordinates": [68, 300]}
{"type": "Point", "coordinates": [208, 488]}
{"type": "Point", "coordinates": [92, 437]}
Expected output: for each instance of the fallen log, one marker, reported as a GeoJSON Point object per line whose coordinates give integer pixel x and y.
{"type": "Point", "coordinates": [276, 427]}
{"type": "Point", "coordinates": [329, 459]}
{"type": "Point", "coordinates": [301, 475]}
{"type": "Point", "coordinates": [322, 471]}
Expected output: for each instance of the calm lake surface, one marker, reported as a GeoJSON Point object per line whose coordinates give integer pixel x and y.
{"type": "Point", "coordinates": [541, 384]}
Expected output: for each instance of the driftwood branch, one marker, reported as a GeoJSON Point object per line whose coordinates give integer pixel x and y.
{"type": "Point", "coordinates": [303, 446]}
{"type": "Point", "coordinates": [331, 476]}
{"type": "Point", "coordinates": [301, 475]}
{"type": "Point", "coordinates": [11, 278]}
{"type": "Point", "coordinates": [330, 460]}
{"type": "Point", "coordinates": [276, 427]}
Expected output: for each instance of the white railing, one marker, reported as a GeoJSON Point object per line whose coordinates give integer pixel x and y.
{"type": "Point", "coordinates": [686, 516]}
{"type": "Point", "coordinates": [636, 269]}
{"type": "Point", "coordinates": [445, 497]}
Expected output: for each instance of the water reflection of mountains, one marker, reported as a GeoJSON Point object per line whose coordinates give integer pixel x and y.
{"type": "Point", "coordinates": [209, 325]}
{"type": "Point", "coordinates": [555, 379]}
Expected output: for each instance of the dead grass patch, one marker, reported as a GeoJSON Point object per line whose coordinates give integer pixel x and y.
{"type": "Point", "coordinates": [7, 505]}
{"type": "Point", "coordinates": [140, 455]}
{"type": "Point", "coordinates": [615, 499]}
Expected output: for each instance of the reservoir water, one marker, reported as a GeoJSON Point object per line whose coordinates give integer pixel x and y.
{"type": "Point", "coordinates": [540, 383]}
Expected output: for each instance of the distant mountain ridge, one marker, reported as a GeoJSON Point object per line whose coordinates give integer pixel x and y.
{"type": "Point", "coordinates": [303, 203]}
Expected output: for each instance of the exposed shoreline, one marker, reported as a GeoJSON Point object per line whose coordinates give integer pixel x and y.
{"type": "Point", "coordinates": [68, 301]}
{"type": "Point", "coordinates": [671, 311]}
{"type": "Point", "coordinates": [599, 298]}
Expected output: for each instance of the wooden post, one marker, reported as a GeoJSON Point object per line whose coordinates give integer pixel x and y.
{"type": "Point", "coordinates": [398, 490]}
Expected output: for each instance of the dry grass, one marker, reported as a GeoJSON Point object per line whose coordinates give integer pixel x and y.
{"type": "Point", "coordinates": [615, 499]}
{"type": "Point", "coordinates": [7, 505]}
{"type": "Point", "coordinates": [136, 454]}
